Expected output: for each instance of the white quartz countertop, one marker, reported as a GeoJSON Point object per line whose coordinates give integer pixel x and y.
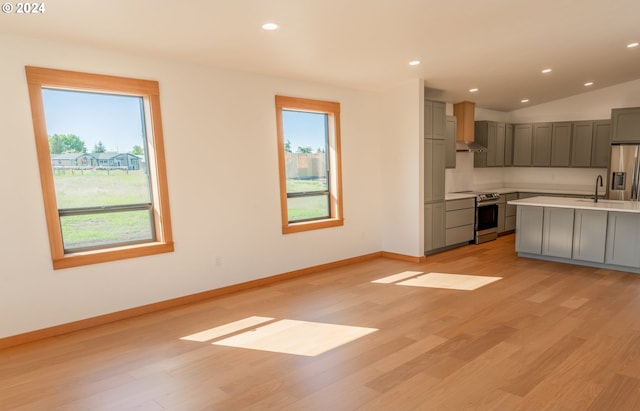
{"type": "Point", "coordinates": [505, 190]}
{"type": "Point", "coordinates": [580, 203]}
{"type": "Point", "coordinates": [458, 196]}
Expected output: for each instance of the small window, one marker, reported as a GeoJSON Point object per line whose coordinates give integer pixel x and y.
{"type": "Point", "coordinates": [309, 159]}
{"type": "Point", "coordinates": [101, 159]}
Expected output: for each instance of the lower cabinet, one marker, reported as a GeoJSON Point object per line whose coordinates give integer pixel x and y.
{"type": "Point", "coordinates": [588, 235]}
{"type": "Point", "coordinates": [557, 232]}
{"type": "Point", "coordinates": [623, 235]}
{"type": "Point", "coordinates": [510, 213]}
{"type": "Point", "coordinates": [507, 213]}
{"type": "Point", "coordinates": [605, 238]}
{"type": "Point", "coordinates": [434, 226]}
{"type": "Point", "coordinates": [459, 220]}
{"type": "Point", "coordinates": [529, 229]}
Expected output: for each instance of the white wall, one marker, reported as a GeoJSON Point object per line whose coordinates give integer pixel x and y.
{"type": "Point", "coordinates": [402, 169]}
{"type": "Point", "coordinates": [593, 105]}
{"type": "Point", "coordinates": [209, 116]}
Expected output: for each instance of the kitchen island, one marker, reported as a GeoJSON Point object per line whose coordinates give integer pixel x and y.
{"type": "Point", "coordinates": [603, 234]}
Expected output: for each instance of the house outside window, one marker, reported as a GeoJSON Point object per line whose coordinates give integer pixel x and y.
{"type": "Point", "coordinates": [100, 204]}
{"type": "Point", "coordinates": [309, 162]}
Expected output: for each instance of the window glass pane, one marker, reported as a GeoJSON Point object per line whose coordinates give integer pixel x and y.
{"type": "Point", "coordinates": [305, 141]}
{"type": "Point", "coordinates": [95, 230]}
{"type": "Point", "coordinates": [308, 207]}
{"type": "Point", "coordinates": [96, 142]}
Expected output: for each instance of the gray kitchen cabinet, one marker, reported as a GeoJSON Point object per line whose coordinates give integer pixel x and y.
{"type": "Point", "coordinates": [435, 120]}
{"type": "Point", "coordinates": [581, 142]}
{"type": "Point", "coordinates": [522, 134]}
{"type": "Point", "coordinates": [439, 125]}
{"type": "Point", "coordinates": [588, 235]}
{"type": "Point", "coordinates": [485, 134]}
{"type": "Point", "coordinates": [492, 135]}
{"type": "Point", "coordinates": [541, 145]}
{"type": "Point", "coordinates": [459, 221]}
{"type": "Point", "coordinates": [557, 232]}
{"type": "Point", "coordinates": [561, 144]}
{"type": "Point", "coordinates": [434, 158]}
{"type": "Point", "coordinates": [623, 236]}
{"type": "Point", "coordinates": [428, 119]}
{"type": "Point", "coordinates": [435, 126]}
{"type": "Point", "coordinates": [502, 210]}
{"type": "Point", "coordinates": [510, 212]}
{"type": "Point", "coordinates": [500, 144]}
{"type": "Point", "coordinates": [428, 227]}
{"type": "Point", "coordinates": [625, 125]}
{"type": "Point", "coordinates": [450, 142]}
{"type": "Point", "coordinates": [529, 229]}
{"type": "Point", "coordinates": [434, 226]}
{"type": "Point", "coordinates": [601, 144]}
{"type": "Point", "coordinates": [508, 144]}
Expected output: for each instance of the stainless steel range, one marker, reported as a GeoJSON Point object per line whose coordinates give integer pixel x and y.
{"type": "Point", "coordinates": [486, 227]}
{"type": "Point", "coordinates": [486, 224]}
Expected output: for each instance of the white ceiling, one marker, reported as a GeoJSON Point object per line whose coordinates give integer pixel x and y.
{"type": "Point", "coordinates": [499, 46]}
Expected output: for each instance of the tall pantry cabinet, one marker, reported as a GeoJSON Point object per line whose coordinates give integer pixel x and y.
{"type": "Point", "coordinates": [435, 125]}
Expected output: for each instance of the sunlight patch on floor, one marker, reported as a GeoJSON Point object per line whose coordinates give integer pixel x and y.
{"type": "Point", "coordinates": [284, 336]}
{"type": "Point", "coordinates": [397, 277]}
{"type": "Point", "coordinates": [296, 337]}
{"type": "Point", "coordinates": [226, 329]}
{"type": "Point", "coordinates": [450, 281]}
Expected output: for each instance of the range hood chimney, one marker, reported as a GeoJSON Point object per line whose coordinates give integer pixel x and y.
{"type": "Point", "coordinates": [465, 136]}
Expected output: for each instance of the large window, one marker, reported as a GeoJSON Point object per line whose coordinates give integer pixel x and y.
{"type": "Point", "coordinates": [309, 159]}
{"type": "Point", "coordinates": [102, 169]}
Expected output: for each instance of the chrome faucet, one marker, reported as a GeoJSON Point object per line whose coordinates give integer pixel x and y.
{"type": "Point", "coordinates": [599, 178]}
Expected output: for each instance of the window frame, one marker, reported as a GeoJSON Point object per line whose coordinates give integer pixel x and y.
{"type": "Point", "coordinates": [332, 110]}
{"type": "Point", "coordinates": [149, 90]}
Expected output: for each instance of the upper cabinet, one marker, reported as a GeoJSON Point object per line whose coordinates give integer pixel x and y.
{"type": "Point", "coordinates": [625, 123]}
{"type": "Point", "coordinates": [450, 142]}
{"type": "Point", "coordinates": [522, 135]}
{"type": "Point", "coordinates": [508, 145]}
{"type": "Point", "coordinates": [581, 140]}
{"type": "Point", "coordinates": [558, 144]}
{"type": "Point", "coordinates": [561, 144]}
{"type": "Point", "coordinates": [492, 135]}
{"type": "Point", "coordinates": [541, 145]}
{"type": "Point", "coordinates": [435, 120]}
{"type": "Point", "coordinates": [601, 144]}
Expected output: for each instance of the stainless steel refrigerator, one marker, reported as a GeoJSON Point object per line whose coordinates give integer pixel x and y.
{"type": "Point", "coordinates": [624, 176]}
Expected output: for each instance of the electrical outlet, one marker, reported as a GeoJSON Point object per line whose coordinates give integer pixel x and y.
{"type": "Point", "coordinates": [218, 260]}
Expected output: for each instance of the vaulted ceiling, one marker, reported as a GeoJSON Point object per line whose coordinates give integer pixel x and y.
{"type": "Point", "coordinates": [497, 46]}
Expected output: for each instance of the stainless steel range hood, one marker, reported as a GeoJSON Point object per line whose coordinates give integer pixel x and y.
{"type": "Point", "coordinates": [465, 137]}
{"type": "Point", "coordinates": [470, 147]}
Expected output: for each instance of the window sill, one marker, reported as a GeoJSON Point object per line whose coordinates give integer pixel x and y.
{"type": "Point", "coordinates": [312, 225]}
{"type": "Point", "coordinates": [111, 254]}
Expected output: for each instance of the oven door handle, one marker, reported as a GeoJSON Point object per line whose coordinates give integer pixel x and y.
{"type": "Point", "coordinates": [488, 203]}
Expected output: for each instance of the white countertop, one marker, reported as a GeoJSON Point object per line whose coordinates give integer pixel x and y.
{"type": "Point", "coordinates": [458, 196]}
{"type": "Point", "coordinates": [580, 203]}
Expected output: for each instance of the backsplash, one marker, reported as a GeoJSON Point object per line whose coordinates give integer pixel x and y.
{"type": "Point", "coordinates": [465, 177]}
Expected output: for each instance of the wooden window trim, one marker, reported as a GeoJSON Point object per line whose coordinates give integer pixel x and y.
{"type": "Point", "coordinates": [37, 78]}
{"type": "Point", "coordinates": [332, 109]}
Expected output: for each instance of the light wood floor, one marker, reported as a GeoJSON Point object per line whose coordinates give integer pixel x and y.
{"type": "Point", "coordinates": [547, 336]}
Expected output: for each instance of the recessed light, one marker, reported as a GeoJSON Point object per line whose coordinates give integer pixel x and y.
{"type": "Point", "coordinates": [414, 62]}
{"type": "Point", "coordinates": [270, 26]}
{"type": "Point", "coordinates": [632, 45]}
{"type": "Point", "coordinates": [524, 100]}
{"type": "Point", "coordinates": [473, 90]}
{"type": "Point", "coordinates": [588, 83]}
{"type": "Point", "coordinates": [547, 70]}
